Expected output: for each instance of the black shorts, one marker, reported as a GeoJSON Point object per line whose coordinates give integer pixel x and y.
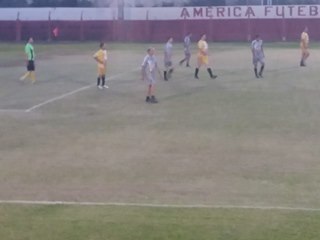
{"type": "Point", "coordinates": [31, 66]}
{"type": "Point", "coordinates": [168, 64]}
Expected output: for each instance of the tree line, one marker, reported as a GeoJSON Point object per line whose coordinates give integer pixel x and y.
{"type": "Point", "coordinates": [88, 3]}
{"type": "Point", "coordinates": [45, 3]}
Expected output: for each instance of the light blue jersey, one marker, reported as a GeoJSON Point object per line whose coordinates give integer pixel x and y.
{"type": "Point", "coordinates": [149, 66]}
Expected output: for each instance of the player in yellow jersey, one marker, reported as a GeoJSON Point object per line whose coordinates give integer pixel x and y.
{"type": "Point", "coordinates": [304, 45]}
{"type": "Point", "coordinates": [203, 59]}
{"type": "Point", "coordinates": [30, 57]}
{"type": "Point", "coordinates": [101, 58]}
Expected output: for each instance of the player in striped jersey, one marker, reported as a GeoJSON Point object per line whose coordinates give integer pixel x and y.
{"type": "Point", "coordinates": [149, 68]}
{"type": "Point", "coordinates": [257, 55]}
{"type": "Point", "coordinates": [168, 60]}
{"type": "Point", "coordinates": [187, 50]}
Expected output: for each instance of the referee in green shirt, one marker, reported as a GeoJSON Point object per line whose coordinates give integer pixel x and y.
{"type": "Point", "coordinates": [30, 55]}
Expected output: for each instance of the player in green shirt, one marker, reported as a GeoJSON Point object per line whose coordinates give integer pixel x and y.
{"type": "Point", "coordinates": [30, 55]}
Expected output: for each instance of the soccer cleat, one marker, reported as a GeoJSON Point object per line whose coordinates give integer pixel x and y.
{"type": "Point", "coordinates": [148, 99]}
{"type": "Point", "coordinates": [301, 63]}
{"type": "Point", "coordinates": [169, 74]}
{"type": "Point", "coordinates": [196, 73]}
{"type": "Point", "coordinates": [105, 86]}
{"type": "Point", "coordinates": [153, 99]}
{"type": "Point", "coordinates": [260, 74]}
{"type": "Point", "coordinates": [165, 75]}
{"type": "Point", "coordinates": [100, 87]}
{"type": "Point", "coordinates": [261, 71]}
{"type": "Point", "coordinates": [211, 74]}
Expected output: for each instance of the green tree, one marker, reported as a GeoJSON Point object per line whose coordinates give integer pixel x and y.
{"type": "Point", "coordinates": [295, 2]}
{"type": "Point", "coordinates": [206, 3]}
{"type": "Point", "coordinates": [61, 3]}
{"type": "Point", "coordinates": [45, 3]}
{"type": "Point", "coordinates": [13, 3]}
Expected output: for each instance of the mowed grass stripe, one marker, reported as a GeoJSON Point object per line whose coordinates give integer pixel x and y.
{"type": "Point", "coordinates": [157, 205]}
{"type": "Point", "coordinates": [128, 223]}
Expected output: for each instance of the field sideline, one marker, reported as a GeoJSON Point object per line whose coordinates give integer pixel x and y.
{"type": "Point", "coordinates": [231, 158]}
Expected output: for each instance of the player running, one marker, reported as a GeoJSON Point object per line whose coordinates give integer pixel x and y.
{"type": "Point", "coordinates": [168, 60]}
{"type": "Point", "coordinates": [30, 55]}
{"type": "Point", "coordinates": [187, 50]}
{"type": "Point", "coordinates": [257, 56]}
{"type": "Point", "coordinates": [149, 67]}
{"type": "Point", "coordinates": [203, 59]}
{"type": "Point", "coordinates": [304, 45]}
{"type": "Point", "coordinates": [101, 58]}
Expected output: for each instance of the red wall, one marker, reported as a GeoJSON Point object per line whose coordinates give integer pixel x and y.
{"type": "Point", "coordinates": [159, 31]}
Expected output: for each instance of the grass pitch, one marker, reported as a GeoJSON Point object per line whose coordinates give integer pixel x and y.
{"type": "Point", "coordinates": [236, 140]}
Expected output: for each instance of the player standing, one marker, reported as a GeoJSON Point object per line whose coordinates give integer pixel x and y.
{"type": "Point", "coordinates": [149, 67]}
{"type": "Point", "coordinates": [30, 55]}
{"type": "Point", "coordinates": [304, 45]}
{"type": "Point", "coordinates": [168, 60]}
{"type": "Point", "coordinates": [203, 59]}
{"type": "Point", "coordinates": [101, 58]}
{"type": "Point", "coordinates": [257, 55]}
{"type": "Point", "coordinates": [186, 49]}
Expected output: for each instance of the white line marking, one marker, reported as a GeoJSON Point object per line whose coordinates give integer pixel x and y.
{"type": "Point", "coordinates": [12, 110]}
{"type": "Point", "coordinates": [151, 205]}
{"type": "Point", "coordinates": [58, 98]}
{"type": "Point", "coordinates": [71, 93]}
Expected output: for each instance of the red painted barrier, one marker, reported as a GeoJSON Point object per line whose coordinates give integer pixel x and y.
{"type": "Point", "coordinates": [159, 30]}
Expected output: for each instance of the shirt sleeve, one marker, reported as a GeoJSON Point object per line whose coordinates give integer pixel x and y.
{"type": "Point", "coordinates": [144, 63]}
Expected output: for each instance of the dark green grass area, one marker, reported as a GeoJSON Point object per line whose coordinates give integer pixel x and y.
{"type": "Point", "coordinates": [235, 140]}
{"type": "Point", "coordinates": [131, 223]}
{"type": "Point", "coordinates": [13, 54]}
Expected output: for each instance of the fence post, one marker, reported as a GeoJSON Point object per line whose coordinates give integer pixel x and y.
{"type": "Point", "coordinates": [18, 28]}
{"type": "Point", "coordinates": [81, 27]}
{"type": "Point", "coordinates": [49, 26]}
{"type": "Point", "coordinates": [249, 37]}
{"type": "Point", "coordinates": [248, 24]}
{"type": "Point", "coordinates": [148, 26]}
{"type": "Point", "coordinates": [114, 28]}
{"type": "Point", "coordinates": [284, 30]}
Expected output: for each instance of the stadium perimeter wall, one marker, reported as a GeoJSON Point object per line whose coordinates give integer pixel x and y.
{"type": "Point", "coordinates": [232, 23]}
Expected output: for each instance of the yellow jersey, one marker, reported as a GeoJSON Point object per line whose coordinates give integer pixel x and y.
{"type": "Point", "coordinates": [203, 47]}
{"type": "Point", "coordinates": [101, 56]}
{"type": "Point", "coordinates": [304, 42]}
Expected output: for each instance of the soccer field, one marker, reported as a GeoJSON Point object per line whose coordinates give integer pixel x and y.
{"type": "Point", "coordinates": [231, 158]}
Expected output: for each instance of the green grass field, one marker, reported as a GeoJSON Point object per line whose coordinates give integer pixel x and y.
{"type": "Point", "coordinates": [244, 144]}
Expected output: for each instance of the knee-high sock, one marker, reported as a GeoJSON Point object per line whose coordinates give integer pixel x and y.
{"type": "Point", "coordinates": [165, 75]}
{"type": "Point", "coordinates": [261, 70]}
{"type": "Point", "coordinates": [196, 73]}
{"type": "Point", "coordinates": [32, 76]}
{"type": "Point", "coordinates": [210, 72]}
